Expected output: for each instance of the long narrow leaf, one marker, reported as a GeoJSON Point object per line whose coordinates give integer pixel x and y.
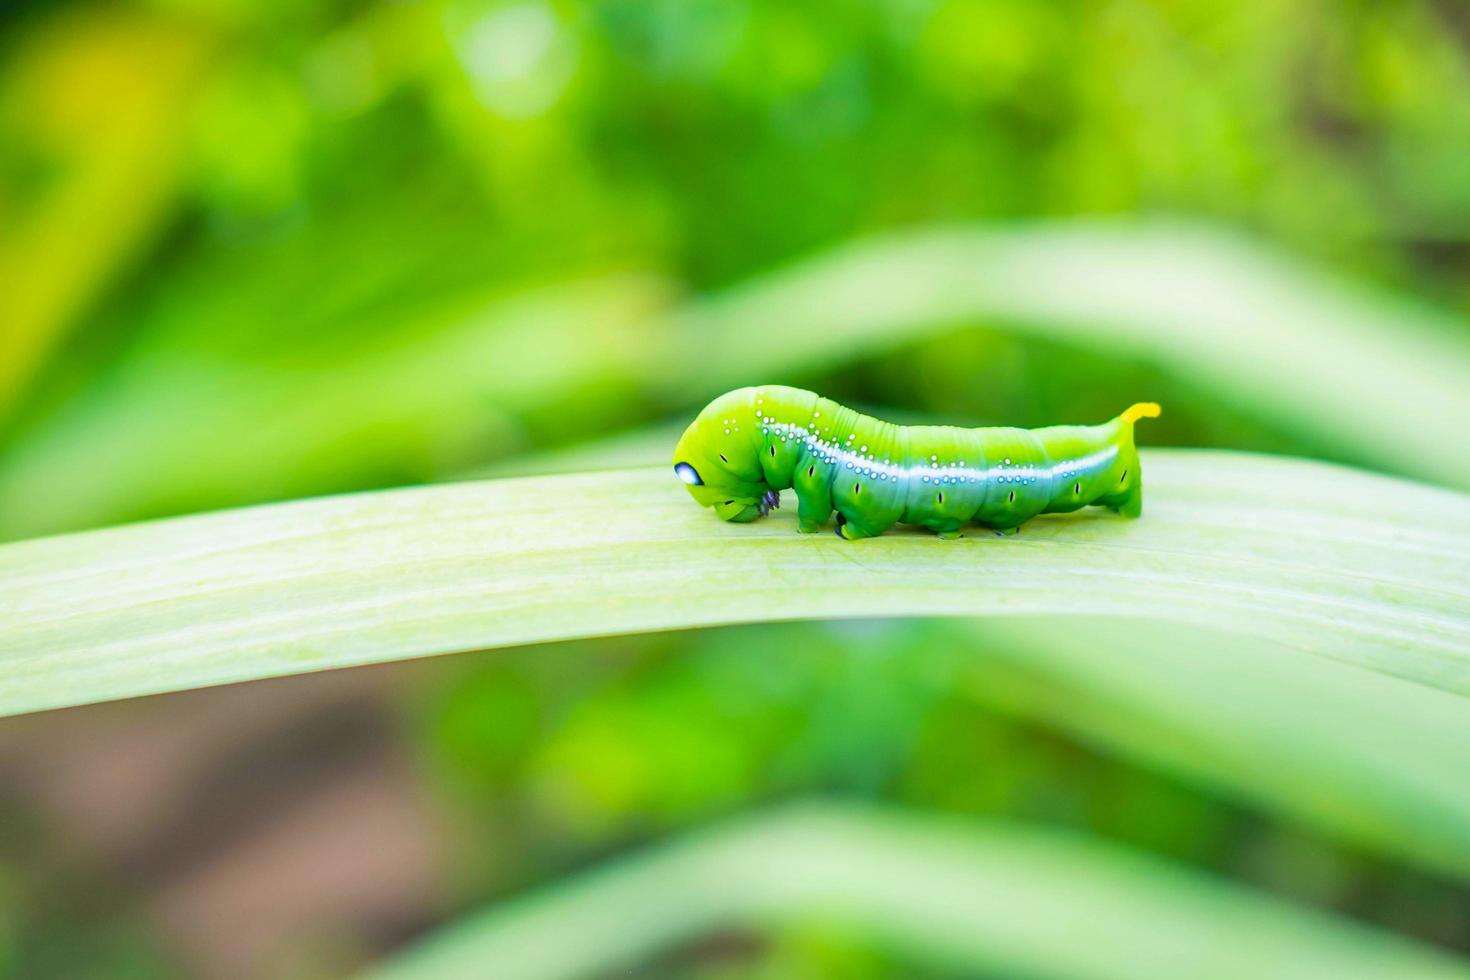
{"type": "Point", "coordinates": [991, 898]}
{"type": "Point", "coordinates": [1376, 378]}
{"type": "Point", "coordinates": [166, 433]}
{"type": "Point", "coordinates": [1359, 756]}
{"type": "Point", "coordinates": [1323, 559]}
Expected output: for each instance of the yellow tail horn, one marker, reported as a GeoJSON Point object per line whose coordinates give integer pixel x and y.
{"type": "Point", "coordinates": [1143, 410]}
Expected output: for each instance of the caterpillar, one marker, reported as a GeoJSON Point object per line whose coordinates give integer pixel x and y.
{"type": "Point", "coordinates": [747, 446]}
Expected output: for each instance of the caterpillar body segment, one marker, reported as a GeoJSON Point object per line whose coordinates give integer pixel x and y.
{"type": "Point", "coordinates": [748, 445]}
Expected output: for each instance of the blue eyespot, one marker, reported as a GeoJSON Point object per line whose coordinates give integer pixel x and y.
{"type": "Point", "coordinates": [688, 474]}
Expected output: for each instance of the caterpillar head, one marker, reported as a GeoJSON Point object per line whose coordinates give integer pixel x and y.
{"type": "Point", "coordinates": [709, 467]}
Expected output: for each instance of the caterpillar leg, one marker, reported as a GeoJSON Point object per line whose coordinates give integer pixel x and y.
{"type": "Point", "coordinates": [812, 510]}
{"type": "Point", "coordinates": [849, 531]}
{"type": "Point", "coordinates": [1006, 532]}
{"type": "Point", "coordinates": [945, 530]}
{"type": "Point", "coordinates": [1129, 503]}
{"type": "Point", "coordinates": [738, 511]}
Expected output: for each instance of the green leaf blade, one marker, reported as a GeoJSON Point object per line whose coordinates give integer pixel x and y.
{"type": "Point", "coordinates": [985, 897]}
{"type": "Point", "coordinates": [1369, 574]}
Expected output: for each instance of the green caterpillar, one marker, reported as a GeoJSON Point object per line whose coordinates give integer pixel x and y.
{"type": "Point", "coordinates": [750, 444]}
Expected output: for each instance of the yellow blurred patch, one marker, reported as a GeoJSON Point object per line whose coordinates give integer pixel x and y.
{"type": "Point", "coordinates": [90, 111]}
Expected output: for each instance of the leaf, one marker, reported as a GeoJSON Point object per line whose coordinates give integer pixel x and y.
{"type": "Point", "coordinates": [1368, 376]}
{"type": "Point", "coordinates": [990, 898]}
{"type": "Point", "coordinates": [1379, 379]}
{"type": "Point", "coordinates": [1364, 757]}
{"type": "Point", "coordinates": [176, 433]}
{"type": "Point", "coordinates": [1364, 569]}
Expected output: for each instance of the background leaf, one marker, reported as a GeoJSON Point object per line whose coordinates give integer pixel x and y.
{"type": "Point", "coordinates": [1376, 378]}
{"type": "Point", "coordinates": [1376, 759]}
{"type": "Point", "coordinates": [989, 898]}
{"type": "Point", "coordinates": [1358, 375]}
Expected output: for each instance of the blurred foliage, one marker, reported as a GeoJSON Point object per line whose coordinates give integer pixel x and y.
{"type": "Point", "coordinates": [661, 733]}
{"type": "Point", "coordinates": [991, 897]}
{"type": "Point", "coordinates": [353, 170]}
{"type": "Point", "coordinates": [371, 217]}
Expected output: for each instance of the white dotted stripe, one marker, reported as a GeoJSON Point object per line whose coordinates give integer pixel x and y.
{"type": "Point", "coordinates": [935, 471]}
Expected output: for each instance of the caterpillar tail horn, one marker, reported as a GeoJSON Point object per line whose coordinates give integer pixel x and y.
{"type": "Point", "coordinates": [1142, 410]}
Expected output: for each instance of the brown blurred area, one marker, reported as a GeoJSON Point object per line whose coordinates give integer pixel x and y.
{"type": "Point", "coordinates": [259, 829]}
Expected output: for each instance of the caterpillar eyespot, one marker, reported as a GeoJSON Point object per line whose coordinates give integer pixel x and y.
{"type": "Point", "coordinates": [1001, 496]}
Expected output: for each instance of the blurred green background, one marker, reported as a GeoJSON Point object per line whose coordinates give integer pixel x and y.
{"type": "Point", "coordinates": [254, 251]}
